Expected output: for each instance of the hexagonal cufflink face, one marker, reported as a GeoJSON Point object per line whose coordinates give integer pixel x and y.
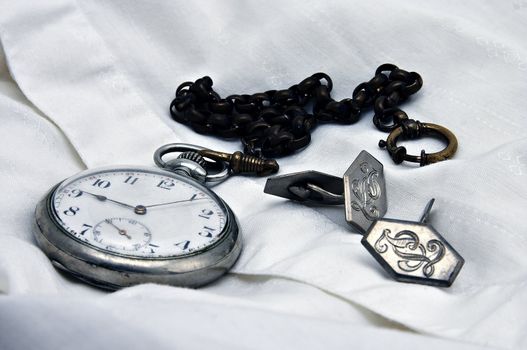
{"type": "Point", "coordinates": [364, 192]}
{"type": "Point", "coordinates": [413, 252]}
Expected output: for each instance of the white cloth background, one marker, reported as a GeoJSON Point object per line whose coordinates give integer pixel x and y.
{"type": "Point", "coordinates": [88, 83]}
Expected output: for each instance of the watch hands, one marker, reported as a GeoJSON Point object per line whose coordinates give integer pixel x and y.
{"type": "Point", "coordinates": [104, 198]}
{"type": "Point", "coordinates": [181, 201]}
{"type": "Point", "coordinates": [120, 230]}
{"type": "Point", "coordinates": [139, 209]}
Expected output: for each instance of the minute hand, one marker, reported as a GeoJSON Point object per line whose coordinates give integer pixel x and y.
{"type": "Point", "coordinates": [181, 201]}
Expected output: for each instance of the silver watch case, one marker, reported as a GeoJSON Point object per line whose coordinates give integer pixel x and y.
{"type": "Point", "coordinates": [112, 271]}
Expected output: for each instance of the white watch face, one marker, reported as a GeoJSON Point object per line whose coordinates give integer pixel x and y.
{"type": "Point", "coordinates": [138, 212]}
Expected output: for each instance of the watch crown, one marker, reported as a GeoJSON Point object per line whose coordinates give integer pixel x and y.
{"type": "Point", "coordinates": [194, 157]}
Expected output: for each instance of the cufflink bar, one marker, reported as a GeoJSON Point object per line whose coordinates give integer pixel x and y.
{"type": "Point", "coordinates": [362, 190]}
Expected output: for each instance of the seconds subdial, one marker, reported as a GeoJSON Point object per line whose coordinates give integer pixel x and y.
{"type": "Point", "coordinates": [122, 234]}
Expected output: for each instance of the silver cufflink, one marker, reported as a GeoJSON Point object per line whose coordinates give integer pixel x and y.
{"type": "Point", "coordinates": [362, 190]}
{"type": "Point", "coordinates": [413, 251]}
{"type": "Point", "coordinates": [409, 251]}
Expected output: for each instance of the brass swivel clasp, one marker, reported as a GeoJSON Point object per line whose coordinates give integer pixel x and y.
{"type": "Point", "coordinates": [241, 163]}
{"type": "Point", "coordinates": [414, 129]}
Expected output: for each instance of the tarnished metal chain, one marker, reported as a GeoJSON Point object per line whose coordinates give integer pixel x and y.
{"type": "Point", "coordinates": [276, 123]}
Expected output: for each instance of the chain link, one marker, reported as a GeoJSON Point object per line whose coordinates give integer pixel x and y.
{"type": "Point", "coordinates": [276, 123]}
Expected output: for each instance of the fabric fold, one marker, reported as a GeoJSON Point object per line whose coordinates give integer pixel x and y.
{"type": "Point", "coordinates": [81, 88]}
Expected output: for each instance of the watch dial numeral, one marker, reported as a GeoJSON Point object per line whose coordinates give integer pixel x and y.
{"type": "Point", "coordinates": [206, 232]}
{"type": "Point", "coordinates": [206, 213]}
{"type": "Point", "coordinates": [183, 245]}
{"type": "Point", "coordinates": [101, 183]}
{"type": "Point", "coordinates": [131, 180]}
{"type": "Point", "coordinates": [86, 228]}
{"type": "Point", "coordinates": [75, 193]}
{"type": "Point", "coordinates": [166, 184]}
{"type": "Point", "coordinates": [71, 211]}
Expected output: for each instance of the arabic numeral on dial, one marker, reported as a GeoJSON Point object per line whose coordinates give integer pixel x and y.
{"type": "Point", "coordinates": [75, 193]}
{"type": "Point", "coordinates": [183, 245]}
{"type": "Point", "coordinates": [71, 211]}
{"type": "Point", "coordinates": [166, 184]}
{"type": "Point", "coordinates": [206, 232]}
{"type": "Point", "coordinates": [86, 228]}
{"type": "Point", "coordinates": [101, 183]}
{"type": "Point", "coordinates": [206, 213]}
{"type": "Point", "coordinates": [131, 180]}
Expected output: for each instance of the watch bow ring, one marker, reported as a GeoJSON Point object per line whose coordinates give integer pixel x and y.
{"type": "Point", "coordinates": [191, 162]}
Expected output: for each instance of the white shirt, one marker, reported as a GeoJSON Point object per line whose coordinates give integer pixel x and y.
{"type": "Point", "coordinates": [86, 84]}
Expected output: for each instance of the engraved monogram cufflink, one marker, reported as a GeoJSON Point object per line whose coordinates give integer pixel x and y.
{"type": "Point", "coordinates": [413, 252]}
{"type": "Point", "coordinates": [409, 251]}
{"type": "Point", "coordinates": [364, 191]}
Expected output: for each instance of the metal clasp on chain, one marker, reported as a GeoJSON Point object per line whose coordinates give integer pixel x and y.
{"type": "Point", "coordinates": [413, 129]}
{"type": "Point", "coordinates": [208, 166]}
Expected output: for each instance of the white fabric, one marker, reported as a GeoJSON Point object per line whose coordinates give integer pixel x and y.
{"type": "Point", "coordinates": [89, 84]}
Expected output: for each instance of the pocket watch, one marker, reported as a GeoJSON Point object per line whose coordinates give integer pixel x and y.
{"type": "Point", "coordinates": [119, 226]}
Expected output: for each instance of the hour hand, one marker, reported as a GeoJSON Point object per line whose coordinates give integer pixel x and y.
{"type": "Point", "coordinates": [104, 199]}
